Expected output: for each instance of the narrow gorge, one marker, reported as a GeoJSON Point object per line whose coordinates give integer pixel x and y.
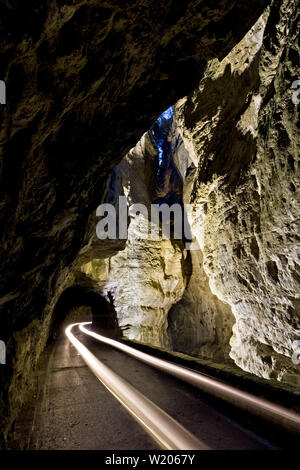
{"type": "Point", "coordinates": [193, 104]}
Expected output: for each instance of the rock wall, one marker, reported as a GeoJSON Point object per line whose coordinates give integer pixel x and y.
{"type": "Point", "coordinates": [237, 295]}
{"type": "Point", "coordinates": [84, 81]}
{"type": "Point", "coordinates": [242, 131]}
{"type": "Point", "coordinates": [147, 276]}
{"type": "Point", "coordinates": [160, 290]}
{"type": "Point", "coordinates": [200, 324]}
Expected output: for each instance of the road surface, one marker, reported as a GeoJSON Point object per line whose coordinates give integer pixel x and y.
{"type": "Point", "coordinates": [73, 410]}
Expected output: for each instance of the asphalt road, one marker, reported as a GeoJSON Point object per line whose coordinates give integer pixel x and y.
{"type": "Point", "coordinates": [73, 410]}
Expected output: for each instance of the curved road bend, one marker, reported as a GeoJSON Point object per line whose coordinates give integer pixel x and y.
{"type": "Point", "coordinates": [270, 411]}
{"type": "Point", "coordinates": [73, 410]}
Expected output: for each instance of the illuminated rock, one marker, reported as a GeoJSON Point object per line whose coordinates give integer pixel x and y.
{"type": "Point", "coordinates": [240, 126]}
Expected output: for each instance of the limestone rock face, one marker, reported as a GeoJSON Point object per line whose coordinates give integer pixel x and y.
{"type": "Point", "coordinates": [160, 290]}
{"type": "Point", "coordinates": [200, 324]}
{"type": "Point", "coordinates": [85, 79]}
{"type": "Point", "coordinates": [235, 295]}
{"type": "Point", "coordinates": [146, 280]}
{"type": "Point", "coordinates": [241, 128]}
{"type": "Point", "coordinates": [148, 276]}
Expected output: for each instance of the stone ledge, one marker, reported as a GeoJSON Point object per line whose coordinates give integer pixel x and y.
{"type": "Point", "coordinates": [281, 393]}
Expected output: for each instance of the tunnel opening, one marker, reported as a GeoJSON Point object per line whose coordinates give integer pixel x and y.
{"type": "Point", "coordinates": [78, 304]}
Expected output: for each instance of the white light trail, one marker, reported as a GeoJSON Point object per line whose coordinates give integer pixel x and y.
{"type": "Point", "coordinates": [165, 430]}
{"type": "Point", "coordinates": [251, 403]}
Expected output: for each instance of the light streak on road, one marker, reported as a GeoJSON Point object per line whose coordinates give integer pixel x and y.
{"type": "Point", "coordinates": [251, 403]}
{"type": "Point", "coordinates": [165, 430]}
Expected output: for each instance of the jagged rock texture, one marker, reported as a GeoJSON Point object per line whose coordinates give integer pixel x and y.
{"type": "Point", "coordinates": [148, 276]}
{"type": "Point", "coordinates": [242, 131]}
{"type": "Point", "coordinates": [85, 79]}
{"type": "Point", "coordinates": [238, 294]}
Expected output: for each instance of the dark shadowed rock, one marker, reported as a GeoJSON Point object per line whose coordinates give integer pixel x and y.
{"type": "Point", "coordinates": [84, 80]}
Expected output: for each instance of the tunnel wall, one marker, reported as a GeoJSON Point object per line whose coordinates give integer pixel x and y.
{"type": "Point", "coordinates": [104, 317]}
{"type": "Point", "coordinates": [83, 83]}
